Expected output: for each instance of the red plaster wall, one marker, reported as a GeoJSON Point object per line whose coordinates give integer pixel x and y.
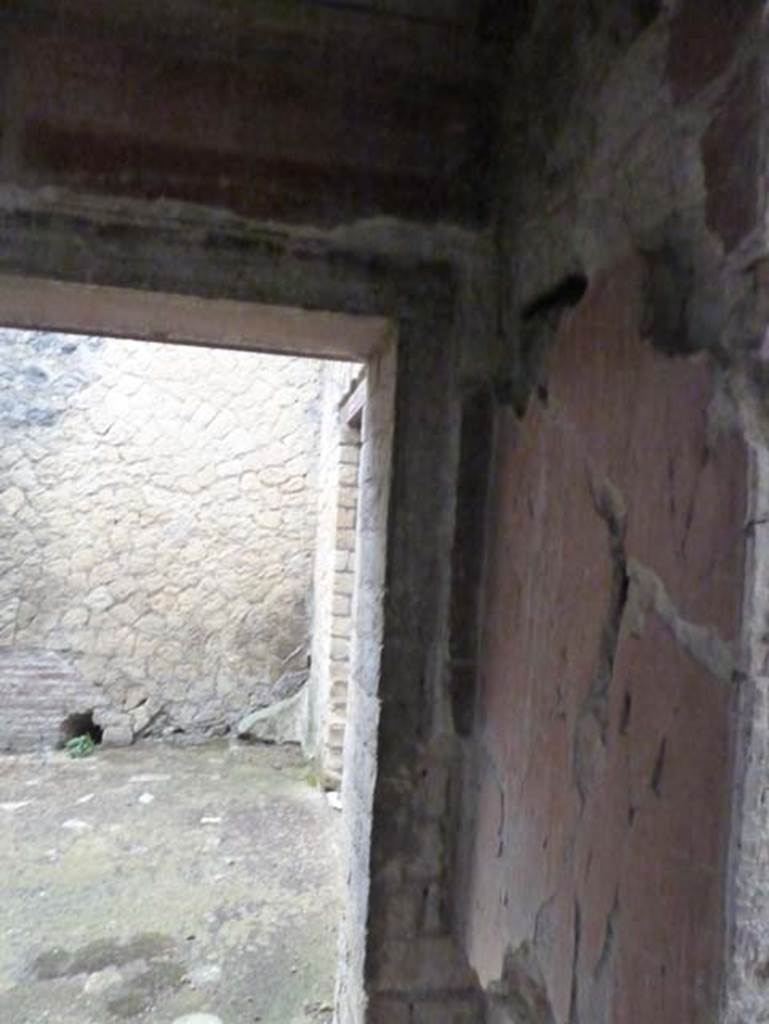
{"type": "Point", "coordinates": [250, 111]}
{"type": "Point", "coordinates": [607, 855]}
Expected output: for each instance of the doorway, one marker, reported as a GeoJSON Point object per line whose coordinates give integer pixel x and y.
{"type": "Point", "coordinates": [96, 315]}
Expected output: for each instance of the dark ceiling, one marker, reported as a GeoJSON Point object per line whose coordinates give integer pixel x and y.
{"type": "Point", "coordinates": [457, 11]}
{"type": "Point", "coordinates": [321, 111]}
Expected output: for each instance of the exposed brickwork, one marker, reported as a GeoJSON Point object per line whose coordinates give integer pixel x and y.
{"type": "Point", "coordinates": [334, 575]}
{"type": "Point", "coordinates": [341, 605]}
{"type": "Point", "coordinates": [40, 691]}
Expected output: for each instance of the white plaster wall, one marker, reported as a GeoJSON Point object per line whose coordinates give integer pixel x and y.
{"type": "Point", "coordinates": [157, 520]}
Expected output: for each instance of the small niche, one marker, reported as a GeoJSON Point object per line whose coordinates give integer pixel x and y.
{"type": "Point", "coordinates": [81, 724]}
{"type": "Point", "coordinates": [566, 294]}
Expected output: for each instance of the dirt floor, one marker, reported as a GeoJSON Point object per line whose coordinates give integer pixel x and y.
{"type": "Point", "coordinates": [158, 882]}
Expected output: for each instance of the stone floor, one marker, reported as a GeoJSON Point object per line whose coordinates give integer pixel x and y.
{"type": "Point", "coordinates": [153, 883]}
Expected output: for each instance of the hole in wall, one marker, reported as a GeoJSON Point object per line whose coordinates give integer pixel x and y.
{"type": "Point", "coordinates": [539, 320]}
{"type": "Point", "coordinates": [567, 293]}
{"type": "Point", "coordinates": [80, 724]}
{"type": "Point", "coordinates": [667, 289]}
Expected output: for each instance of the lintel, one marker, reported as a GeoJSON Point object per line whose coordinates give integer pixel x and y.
{"type": "Point", "coordinates": [47, 305]}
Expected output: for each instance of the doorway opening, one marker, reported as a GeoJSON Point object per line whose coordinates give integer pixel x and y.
{"type": "Point", "coordinates": [159, 515]}
{"type": "Point", "coordinates": [181, 596]}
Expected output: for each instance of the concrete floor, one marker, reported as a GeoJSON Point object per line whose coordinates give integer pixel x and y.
{"type": "Point", "coordinates": [151, 883]}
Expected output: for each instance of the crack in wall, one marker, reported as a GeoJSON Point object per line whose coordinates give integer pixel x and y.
{"type": "Point", "coordinates": [702, 643]}
{"type": "Point", "coordinates": [593, 723]}
{"type": "Point", "coordinates": [574, 1002]}
{"type": "Point", "coordinates": [659, 768]}
{"type": "Point", "coordinates": [611, 508]}
{"type": "Point", "coordinates": [597, 1007]}
{"type": "Point", "coordinates": [609, 939]}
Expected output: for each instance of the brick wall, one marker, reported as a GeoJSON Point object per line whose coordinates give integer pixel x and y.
{"type": "Point", "coordinates": [342, 590]}
{"type": "Point", "coordinates": [41, 692]}
{"type": "Point", "coordinates": [334, 575]}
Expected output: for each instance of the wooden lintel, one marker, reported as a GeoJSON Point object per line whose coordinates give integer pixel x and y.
{"type": "Point", "coordinates": [42, 304]}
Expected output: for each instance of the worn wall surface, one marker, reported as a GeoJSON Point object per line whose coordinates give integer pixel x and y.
{"type": "Point", "coordinates": [595, 877]}
{"type": "Point", "coordinates": [157, 517]}
{"type": "Point", "coordinates": [643, 146]}
{"type": "Point", "coordinates": [635, 113]}
{"type": "Point", "coordinates": [628, 129]}
{"type": "Point", "coordinates": [749, 877]}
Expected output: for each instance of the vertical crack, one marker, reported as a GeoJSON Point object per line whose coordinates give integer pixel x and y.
{"type": "Point", "coordinates": [593, 723]}
{"type": "Point", "coordinates": [627, 711]}
{"type": "Point", "coordinates": [659, 768]}
{"type": "Point", "coordinates": [611, 509]}
{"type": "Point", "coordinates": [574, 1002]}
{"type": "Point", "coordinates": [597, 1005]}
{"type": "Point", "coordinates": [501, 826]}
{"type": "Point", "coordinates": [610, 935]}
